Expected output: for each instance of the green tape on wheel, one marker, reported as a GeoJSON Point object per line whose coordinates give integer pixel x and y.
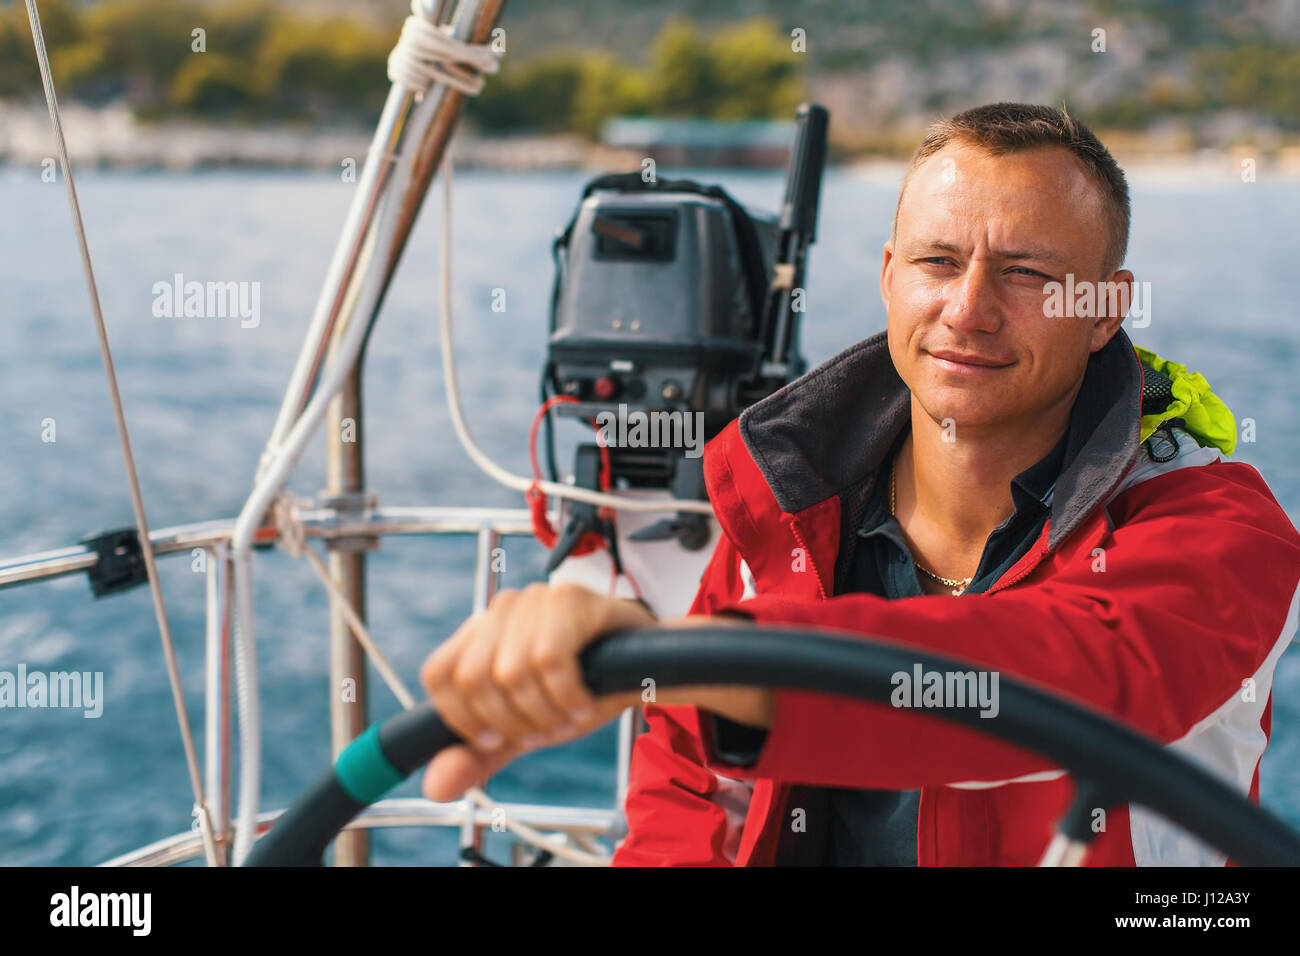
{"type": "Point", "coordinates": [363, 770]}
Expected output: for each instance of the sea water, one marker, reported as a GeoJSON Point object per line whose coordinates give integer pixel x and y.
{"type": "Point", "coordinates": [201, 393]}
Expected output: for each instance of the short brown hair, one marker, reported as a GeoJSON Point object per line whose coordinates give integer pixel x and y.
{"type": "Point", "coordinates": [1012, 127]}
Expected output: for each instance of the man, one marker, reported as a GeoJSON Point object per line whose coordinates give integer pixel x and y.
{"type": "Point", "coordinates": [989, 479]}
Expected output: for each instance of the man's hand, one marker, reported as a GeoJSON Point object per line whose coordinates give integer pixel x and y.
{"type": "Point", "coordinates": [508, 681]}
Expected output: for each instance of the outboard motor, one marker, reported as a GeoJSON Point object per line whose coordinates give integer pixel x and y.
{"type": "Point", "coordinates": [674, 308]}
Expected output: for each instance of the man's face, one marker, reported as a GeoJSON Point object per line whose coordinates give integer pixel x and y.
{"type": "Point", "coordinates": [978, 237]}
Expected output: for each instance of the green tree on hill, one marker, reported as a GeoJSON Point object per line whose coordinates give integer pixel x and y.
{"type": "Point", "coordinates": [747, 71]}
{"type": "Point", "coordinates": [62, 26]}
{"type": "Point", "coordinates": [681, 74]}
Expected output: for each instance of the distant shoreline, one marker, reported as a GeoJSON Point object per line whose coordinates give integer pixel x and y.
{"type": "Point", "coordinates": [112, 137]}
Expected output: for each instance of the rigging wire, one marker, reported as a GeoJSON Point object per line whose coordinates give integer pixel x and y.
{"type": "Point", "coordinates": [133, 480]}
{"type": "Point", "coordinates": [289, 525]}
{"type": "Point", "coordinates": [288, 522]}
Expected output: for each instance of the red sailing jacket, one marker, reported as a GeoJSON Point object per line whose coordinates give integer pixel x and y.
{"type": "Point", "coordinates": [1162, 592]}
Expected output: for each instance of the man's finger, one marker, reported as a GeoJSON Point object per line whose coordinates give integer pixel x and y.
{"type": "Point", "coordinates": [512, 668]}
{"type": "Point", "coordinates": [455, 769]}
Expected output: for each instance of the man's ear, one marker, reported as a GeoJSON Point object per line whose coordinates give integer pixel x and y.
{"type": "Point", "coordinates": [885, 274]}
{"type": "Point", "coordinates": [1109, 320]}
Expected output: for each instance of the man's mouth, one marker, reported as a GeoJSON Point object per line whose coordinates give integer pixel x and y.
{"type": "Point", "coordinates": [967, 361]}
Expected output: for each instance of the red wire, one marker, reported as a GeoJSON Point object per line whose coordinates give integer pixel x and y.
{"type": "Point", "coordinates": [532, 440]}
{"type": "Point", "coordinates": [546, 534]}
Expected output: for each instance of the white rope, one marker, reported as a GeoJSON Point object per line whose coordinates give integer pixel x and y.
{"type": "Point", "coordinates": [427, 53]}
{"type": "Point", "coordinates": [384, 152]}
{"type": "Point", "coordinates": [133, 480]}
{"type": "Point", "coordinates": [476, 454]}
{"type": "Point", "coordinates": [248, 706]}
{"type": "Point", "coordinates": [274, 469]}
{"type": "Point", "coordinates": [424, 54]}
{"type": "Point", "coordinates": [271, 480]}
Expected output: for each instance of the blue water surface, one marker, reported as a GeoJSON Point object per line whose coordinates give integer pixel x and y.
{"type": "Point", "coordinates": [201, 396]}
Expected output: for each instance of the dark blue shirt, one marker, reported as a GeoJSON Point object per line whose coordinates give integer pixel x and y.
{"type": "Point", "coordinates": [878, 827]}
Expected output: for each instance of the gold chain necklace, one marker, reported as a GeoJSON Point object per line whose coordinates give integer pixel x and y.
{"type": "Point", "coordinates": [957, 585]}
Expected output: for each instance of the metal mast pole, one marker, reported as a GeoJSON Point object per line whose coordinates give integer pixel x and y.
{"type": "Point", "coordinates": [345, 490]}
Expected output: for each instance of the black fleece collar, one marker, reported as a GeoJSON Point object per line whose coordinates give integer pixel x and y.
{"type": "Point", "coordinates": [831, 429]}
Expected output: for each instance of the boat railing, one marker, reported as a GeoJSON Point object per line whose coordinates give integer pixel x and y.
{"type": "Point", "coordinates": [488, 526]}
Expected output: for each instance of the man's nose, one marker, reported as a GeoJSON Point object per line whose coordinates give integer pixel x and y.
{"type": "Point", "coordinates": [972, 303]}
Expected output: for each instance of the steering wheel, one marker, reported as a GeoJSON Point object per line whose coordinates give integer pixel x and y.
{"type": "Point", "coordinates": [1111, 763]}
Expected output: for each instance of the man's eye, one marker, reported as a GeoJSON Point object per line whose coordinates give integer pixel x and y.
{"type": "Point", "coordinates": [1024, 270]}
{"type": "Point", "coordinates": [939, 260]}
